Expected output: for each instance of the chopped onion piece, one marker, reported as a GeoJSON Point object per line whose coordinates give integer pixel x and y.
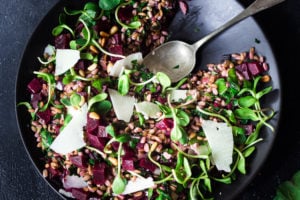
{"type": "Point", "coordinates": [148, 109]}
{"type": "Point", "coordinates": [125, 63]}
{"type": "Point", "coordinates": [123, 105]}
{"type": "Point", "coordinates": [71, 137]}
{"type": "Point", "coordinates": [220, 140]}
{"type": "Point", "coordinates": [74, 182]}
{"type": "Point", "coordinates": [65, 59]}
{"type": "Point", "coordinates": [138, 184]}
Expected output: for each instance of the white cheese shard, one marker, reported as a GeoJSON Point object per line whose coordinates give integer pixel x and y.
{"type": "Point", "coordinates": [177, 95]}
{"type": "Point", "coordinates": [125, 63]}
{"type": "Point", "coordinates": [148, 109]}
{"type": "Point", "coordinates": [65, 59]}
{"type": "Point", "coordinates": [71, 137]}
{"type": "Point", "coordinates": [138, 184]}
{"type": "Point", "coordinates": [220, 140]}
{"type": "Point", "coordinates": [74, 181]}
{"type": "Point", "coordinates": [123, 105]}
{"type": "Point", "coordinates": [49, 50]}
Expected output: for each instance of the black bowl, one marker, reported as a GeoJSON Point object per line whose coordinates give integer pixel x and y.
{"type": "Point", "coordinates": [202, 18]}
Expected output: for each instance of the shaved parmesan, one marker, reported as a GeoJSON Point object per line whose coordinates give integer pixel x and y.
{"type": "Point", "coordinates": [74, 182]}
{"type": "Point", "coordinates": [65, 59]}
{"type": "Point", "coordinates": [220, 140]}
{"type": "Point", "coordinates": [177, 95]}
{"type": "Point", "coordinates": [148, 109]}
{"type": "Point", "coordinates": [71, 137]}
{"type": "Point", "coordinates": [140, 183]}
{"type": "Point", "coordinates": [125, 63]}
{"type": "Point", "coordinates": [49, 50]}
{"type": "Point", "coordinates": [123, 105]}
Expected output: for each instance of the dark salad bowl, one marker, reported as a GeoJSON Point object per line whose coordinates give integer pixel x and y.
{"type": "Point", "coordinates": [202, 18]}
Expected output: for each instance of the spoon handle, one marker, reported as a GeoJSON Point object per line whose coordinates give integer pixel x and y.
{"type": "Point", "coordinates": [252, 9]}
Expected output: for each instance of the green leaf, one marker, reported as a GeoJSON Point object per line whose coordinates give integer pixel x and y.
{"type": "Point", "coordinates": [248, 151]}
{"type": "Point", "coordinates": [221, 85]}
{"type": "Point", "coordinates": [242, 165]}
{"type": "Point", "coordinates": [246, 113]}
{"type": "Point", "coordinates": [75, 99]}
{"type": "Point", "coordinates": [108, 4]}
{"type": "Point", "coordinates": [182, 118]}
{"type": "Point", "coordinates": [289, 190]}
{"type": "Point", "coordinates": [163, 79]}
{"type": "Point", "coordinates": [263, 92]}
{"type": "Point", "coordinates": [47, 139]}
{"type": "Point", "coordinates": [118, 185]}
{"type": "Point", "coordinates": [123, 138]}
{"type": "Point", "coordinates": [247, 101]}
{"type": "Point", "coordinates": [98, 98]}
{"type": "Point", "coordinates": [110, 130]}
{"type": "Point", "coordinates": [102, 107]}
{"type": "Point", "coordinates": [123, 84]}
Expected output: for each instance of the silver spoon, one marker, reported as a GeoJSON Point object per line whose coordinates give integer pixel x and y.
{"type": "Point", "coordinates": [177, 58]}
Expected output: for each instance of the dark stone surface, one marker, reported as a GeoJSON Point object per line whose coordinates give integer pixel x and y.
{"type": "Point", "coordinates": [20, 180]}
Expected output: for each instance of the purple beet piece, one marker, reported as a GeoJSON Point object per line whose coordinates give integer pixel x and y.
{"type": "Point", "coordinates": [34, 86]}
{"type": "Point", "coordinates": [255, 68]}
{"type": "Point", "coordinates": [97, 142]}
{"type": "Point", "coordinates": [62, 41]}
{"type": "Point", "coordinates": [79, 161]}
{"type": "Point", "coordinates": [45, 116]}
{"type": "Point", "coordinates": [243, 69]}
{"type": "Point", "coordinates": [115, 49]}
{"type": "Point", "coordinates": [147, 164]}
{"type": "Point", "coordinates": [92, 125]}
{"type": "Point", "coordinates": [35, 99]}
{"type": "Point", "coordinates": [128, 164]}
{"type": "Point", "coordinates": [165, 124]}
{"type": "Point", "coordinates": [100, 173]}
{"type": "Point", "coordinates": [79, 194]}
{"type": "Point", "coordinates": [249, 128]}
{"type": "Point", "coordinates": [102, 132]}
{"type": "Point", "coordinates": [125, 13]}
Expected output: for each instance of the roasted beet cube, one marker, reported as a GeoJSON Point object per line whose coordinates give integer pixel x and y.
{"type": "Point", "coordinates": [34, 86]}
{"type": "Point", "coordinates": [79, 194]}
{"type": "Point", "coordinates": [78, 161]}
{"type": "Point", "coordinates": [147, 164]}
{"type": "Point", "coordinates": [102, 132]}
{"type": "Point", "coordinates": [165, 124]}
{"type": "Point", "coordinates": [254, 68]}
{"type": "Point", "coordinates": [35, 99]}
{"type": "Point", "coordinates": [45, 116]}
{"type": "Point", "coordinates": [125, 13]}
{"type": "Point", "coordinates": [100, 173]}
{"type": "Point", "coordinates": [97, 142]}
{"type": "Point", "coordinates": [92, 125]}
{"type": "Point", "coordinates": [62, 41]}
{"type": "Point", "coordinates": [115, 49]}
{"type": "Point", "coordinates": [243, 69]}
{"type": "Point", "coordinates": [128, 163]}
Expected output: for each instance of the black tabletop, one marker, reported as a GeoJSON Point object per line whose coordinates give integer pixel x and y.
{"type": "Point", "coordinates": [20, 180]}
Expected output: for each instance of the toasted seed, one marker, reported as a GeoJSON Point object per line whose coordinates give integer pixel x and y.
{"type": "Point", "coordinates": [94, 115]}
{"type": "Point", "coordinates": [45, 173]}
{"type": "Point", "coordinates": [113, 161]}
{"type": "Point", "coordinates": [92, 66]}
{"type": "Point", "coordinates": [113, 30]}
{"type": "Point", "coordinates": [103, 34]}
{"type": "Point", "coordinates": [93, 49]}
{"type": "Point", "coordinates": [265, 78]}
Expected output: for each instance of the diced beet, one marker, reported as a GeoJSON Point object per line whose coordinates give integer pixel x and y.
{"type": "Point", "coordinates": [62, 41]}
{"type": "Point", "coordinates": [115, 49]}
{"type": "Point", "coordinates": [79, 194]}
{"type": "Point", "coordinates": [183, 6]}
{"type": "Point", "coordinates": [102, 25]}
{"type": "Point", "coordinates": [127, 164]}
{"type": "Point", "coordinates": [254, 68]}
{"type": "Point", "coordinates": [249, 128]}
{"type": "Point", "coordinates": [165, 124]}
{"type": "Point", "coordinates": [80, 65]}
{"type": "Point", "coordinates": [102, 132]}
{"type": "Point", "coordinates": [115, 145]}
{"type": "Point", "coordinates": [129, 152]}
{"type": "Point", "coordinates": [125, 13]}
{"type": "Point", "coordinates": [92, 125]}
{"type": "Point", "coordinates": [54, 172]}
{"type": "Point", "coordinates": [97, 142]}
{"type": "Point", "coordinates": [243, 69]}
{"type": "Point", "coordinates": [45, 116]}
{"type": "Point", "coordinates": [34, 86]}
{"type": "Point", "coordinates": [147, 164]}
{"type": "Point", "coordinates": [35, 99]}
{"type": "Point", "coordinates": [78, 161]}
{"type": "Point", "coordinates": [100, 173]}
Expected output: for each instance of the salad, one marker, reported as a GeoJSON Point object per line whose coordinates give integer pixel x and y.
{"type": "Point", "coordinates": [111, 129]}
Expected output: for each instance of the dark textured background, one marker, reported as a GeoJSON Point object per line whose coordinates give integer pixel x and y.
{"type": "Point", "coordinates": [20, 180]}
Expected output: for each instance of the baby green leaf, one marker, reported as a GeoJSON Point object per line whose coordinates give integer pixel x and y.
{"type": "Point", "coordinates": [75, 99]}
{"type": "Point", "coordinates": [118, 185]}
{"type": "Point", "coordinates": [247, 101]}
{"type": "Point", "coordinates": [123, 84]}
{"type": "Point", "coordinates": [263, 92]}
{"type": "Point", "coordinates": [289, 190]}
{"type": "Point", "coordinates": [182, 118]}
{"type": "Point", "coordinates": [221, 85]}
{"type": "Point", "coordinates": [163, 79]}
{"type": "Point", "coordinates": [97, 98]}
{"type": "Point", "coordinates": [246, 113]}
{"type": "Point", "coordinates": [108, 4]}
{"type": "Point", "coordinates": [249, 151]}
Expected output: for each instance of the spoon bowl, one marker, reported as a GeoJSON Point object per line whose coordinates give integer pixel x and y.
{"type": "Point", "coordinates": [177, 59]}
